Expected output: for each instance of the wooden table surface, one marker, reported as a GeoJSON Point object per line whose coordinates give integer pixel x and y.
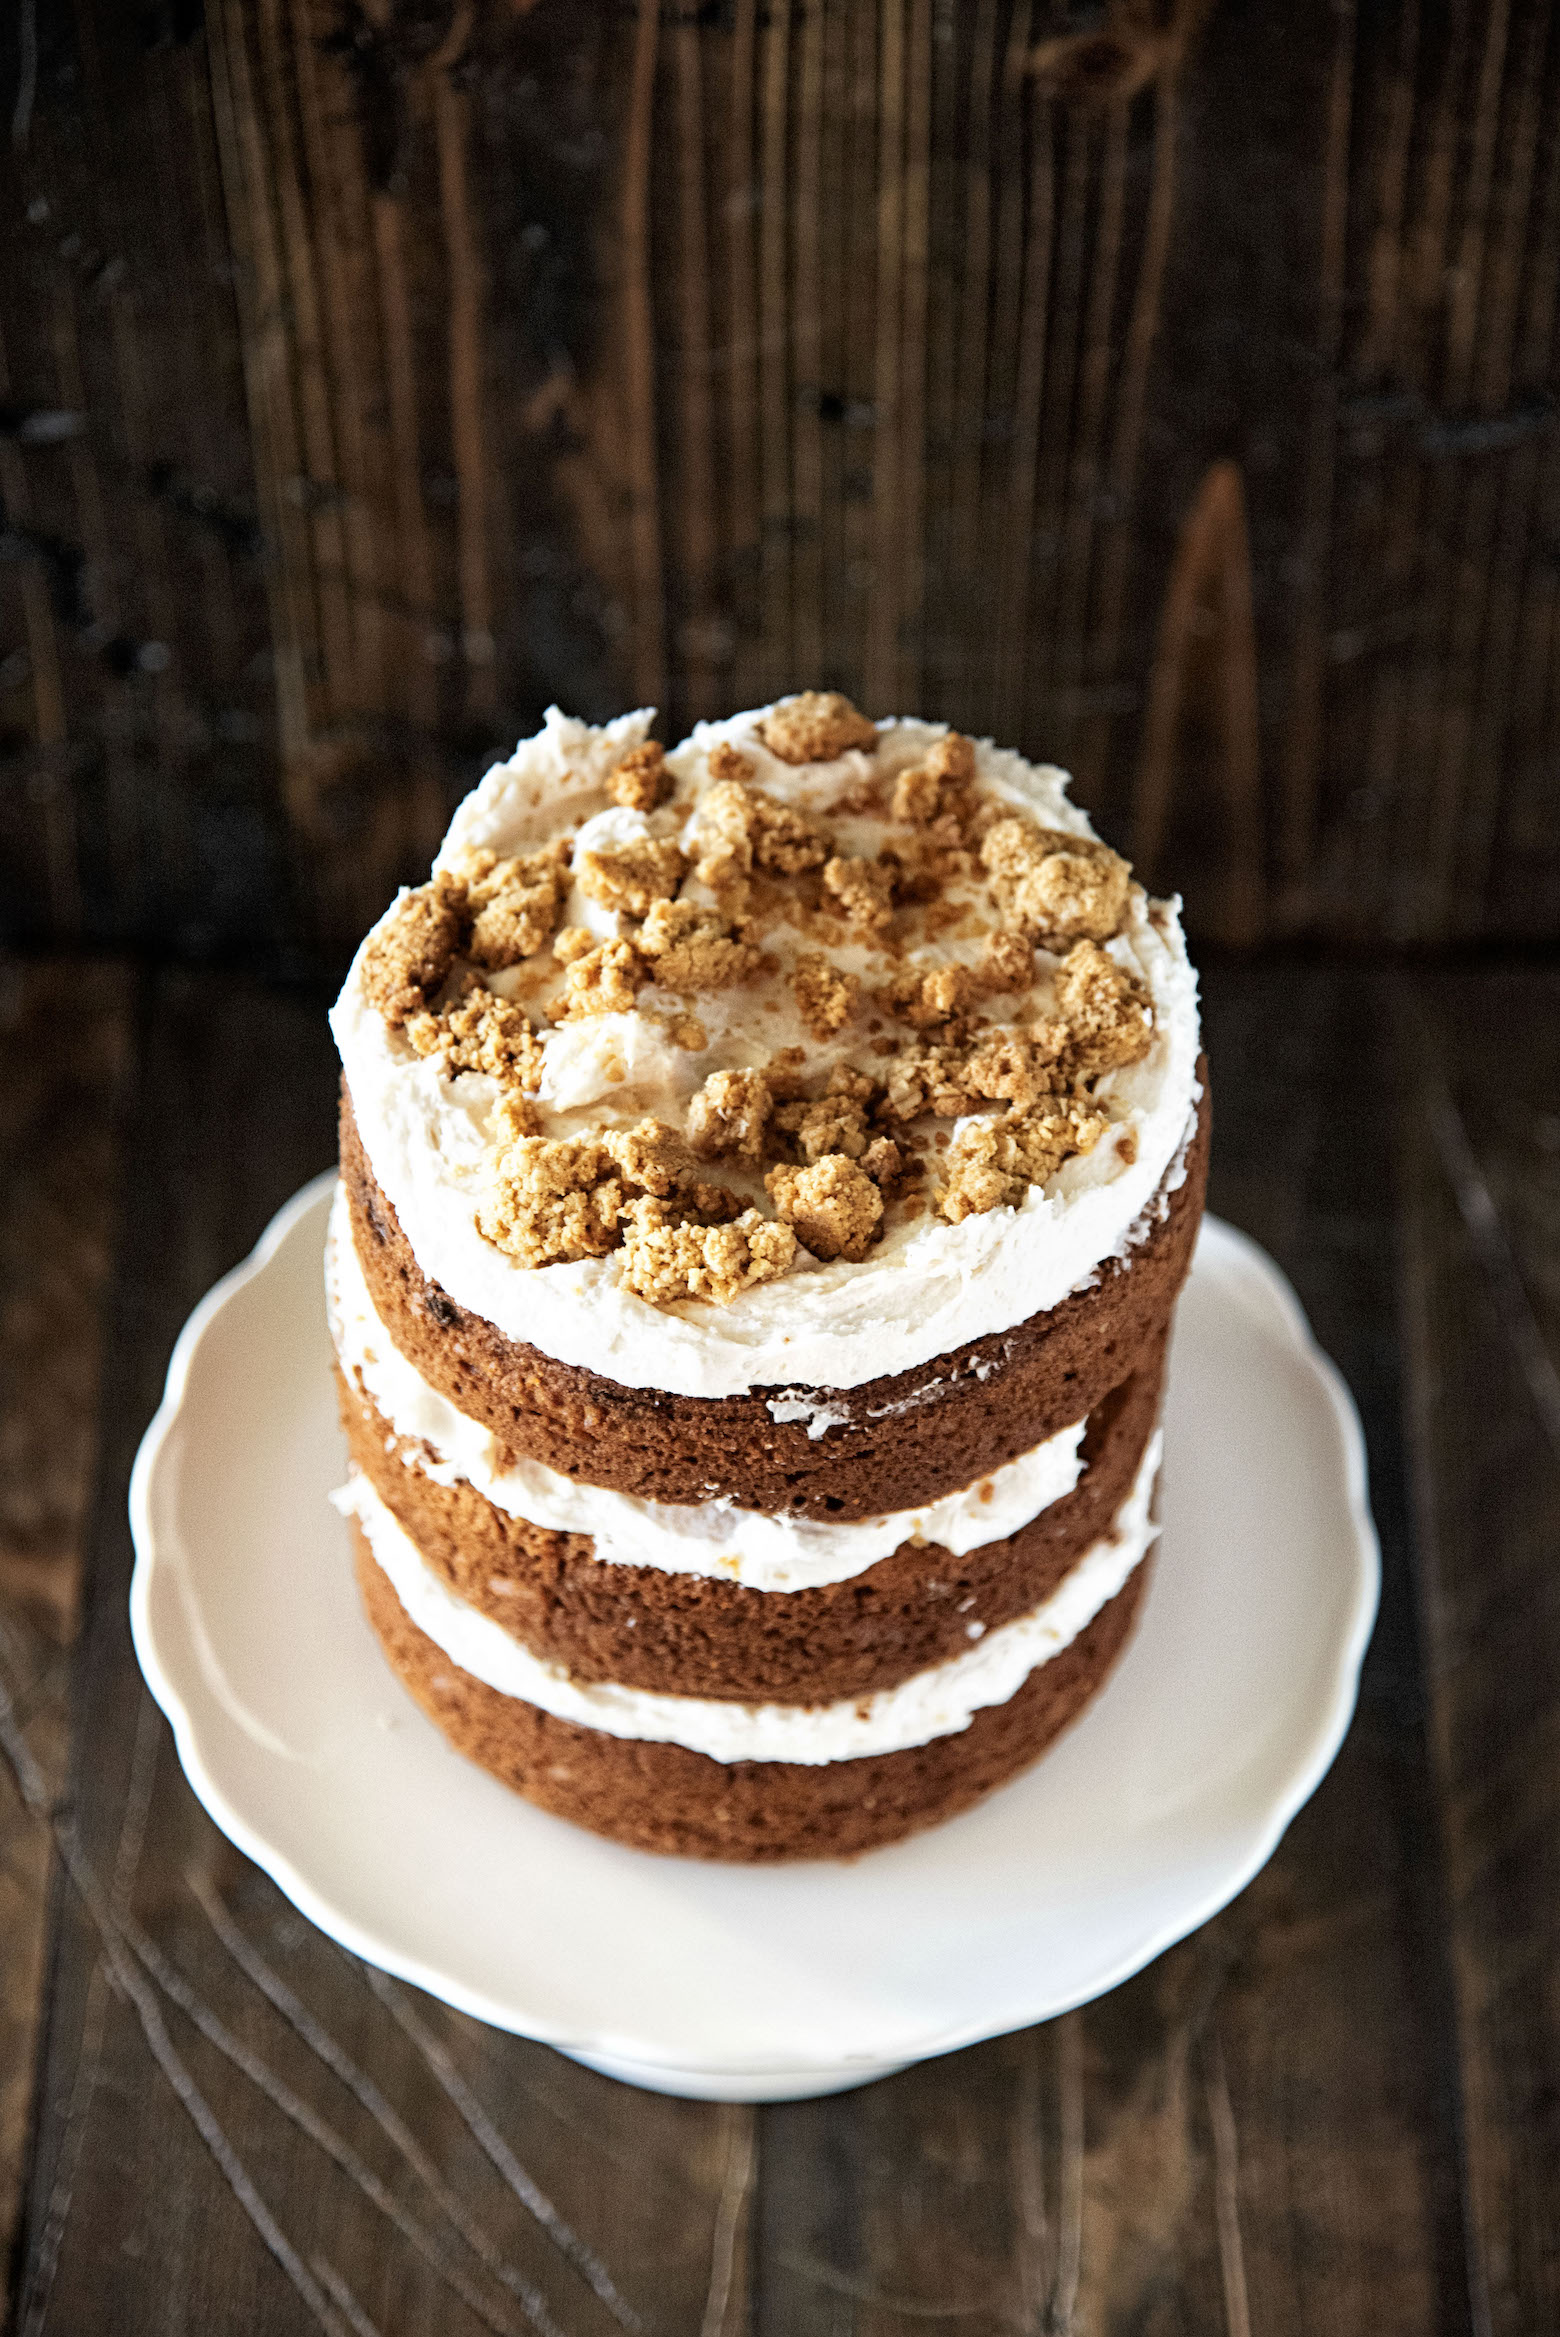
{"type": "Point", "coordinates": [1334, 2109]}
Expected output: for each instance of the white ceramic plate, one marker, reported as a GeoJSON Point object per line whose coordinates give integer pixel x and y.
{"type": "Point", "coordinates": [745, 1983]}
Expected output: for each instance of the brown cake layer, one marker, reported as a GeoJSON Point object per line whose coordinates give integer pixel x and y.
{"type": "Point", "coordinates": [908, 1440]}
{"type": "Point", "coordinates": [694, 1635]}
{"type": "Point", "coordinates": [663, 1797]}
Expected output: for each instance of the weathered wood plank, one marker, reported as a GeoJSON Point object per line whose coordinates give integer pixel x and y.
{"type": "Point", "coordinates": [1481, 1182]}
{"type": "Point", "coordinates": [66, 1044]}
{"type": "Point", "coordinates": [369, 381]}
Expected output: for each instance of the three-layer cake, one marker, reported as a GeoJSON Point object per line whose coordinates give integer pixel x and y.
{"type": "Point", "coordinates": [768, 1168]}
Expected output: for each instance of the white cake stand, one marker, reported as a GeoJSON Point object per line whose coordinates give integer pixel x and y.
{"type": "Point", "coordinates": [752, 1984]}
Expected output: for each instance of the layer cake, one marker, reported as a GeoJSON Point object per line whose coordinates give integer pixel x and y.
{"type": "Point", "coordinates": [768, 1168]}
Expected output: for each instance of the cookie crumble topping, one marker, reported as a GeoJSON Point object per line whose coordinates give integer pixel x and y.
{"type": "Point", "coordinates": [942, 955]}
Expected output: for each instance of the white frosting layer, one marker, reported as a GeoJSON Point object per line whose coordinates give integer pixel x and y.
{"type": "Point", "coordinates": [715, 1538]}
{"type": "Point", "coordinates": [927, 1288]}
{"type": "Point", "coordinates": [934, 1703]}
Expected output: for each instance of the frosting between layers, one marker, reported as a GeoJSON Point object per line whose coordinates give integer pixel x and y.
{"type": "Point", "coordinates": [927, 1289]}
{"type": "Point", "coordinates": [935, 1703]}
{"type": "Point", "coordinates": [765, 1553]}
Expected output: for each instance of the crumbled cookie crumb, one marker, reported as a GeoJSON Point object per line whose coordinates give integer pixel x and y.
{"type": "Point", "coordinates": [481, 1032]}
{"type": "Point", "coordinates": [410, 956]}
{"type": "Point", "coordinates": [1016, 1066]}
{"type": "Point", "coordinates": [991, 1163]}
{"type": "Point", "coordinates": [730, 1115]}
{"type": "Point", "coordinates": [649, 1156]}
{"type": "Point", "coordinates": [516, 903]}
{"type": "Point", "coordinates": [729, 762]}
{"type": "Point", "coordinates": [931, 1080]}
{"type": "Point", "coordinates": [924, 791]}
{"type": "Point", "coordinates": [631, 877]}
{"type": "Point", "coordinates": [605, 978]}
{"type": "Point", "coordinates": [1055, 887]}
{"type": "Point", "coordinates": [739, 829]}
{"type": "Point", "coordinates": [692, 949]}
{"type": "Point", "coordinates": [551, 1199]}
{"type": "Point", "coordinates": [834, 1206]}
{"type": "Point", "coordinates": [641, 780]}
{"type": "Point", "coordinates": [514, 1116]}
{"type": "Point", "coordinates": [815, 727]}
{"type": "Point", "coordinates": [1007, 962]}
{"type": "Point", "coordinates": [666, 1259]}
{"type": "Point", "coordinates": [835, 1123]}
{"type": "Point", "coordinates": [1107, 1013]}
{"type": "Point", "coordinates": [864, 890]}
{"type": "Point", "coordinates": [927, 999]}
{"type": "Point", "coordinates": [825, 998]}
{"type": "Point", "coordinates": [884, 1163]}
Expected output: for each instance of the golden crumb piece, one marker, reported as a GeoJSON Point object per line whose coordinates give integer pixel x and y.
{"type": "Point", "coordinates": [927, 999]}
{"type": "Point", "coordinates": [1007, 962]}
{"type": "Point", "coordinates": [834, 1206]}
{"type": "Point", "coordinates": [835, 1123]}
{"type": "Point", "coordinates": [884, 1163]}
{"type": "Point", "coordinates": [666, 1259]}
{"type": "Point", "coordinates": [641, 780]}
{"type": "Point", "coordinates": [516, 903]}
{"type": "Point", "coordinates": [692, 949]}
{"type": "Point", "coordinates": [650, 1156]}
{"type": "Point", "coordinates": [729, 762]}
{"type": "Point", "coordinates": [1107, 1014]}
{"type": "Point", "coordinates": [825, 997]}
{"type": "Point", "coordinates": [925, 790]}
{"type": "Point", "coordinates": [480, 1032]}
{"type": "Point", "coordinates": [864, 890]}
{"type": "Point", "coordinates": [551, 1199]}
{"type": "Point", "coordinates": [845, 1080]}
{"type": "Point", "coordinates": [739, 829]}
{"type": "Point", "coordinates": [409, 955]}
{"type": "Point", "coordinates": [514, 1116]}
{"type": "Point", "coordinates": [604, 979]}
{"type": "Point", "coordinates": [714, 1204]}
{"type": "Point", "coordinates": [815, 727]}
{"type": "Point", "coordinates": [631, 877]}
{"type": "Point", "coordinates": [931, 1080]}
{"type": "Point", "coordinates": [1016, 1066]}
{"type": "Point", "coordinates": [1054, 887]}
{"type": "Point", "coordinates": [729, 1115]}
{"type": "Point", "coordinates": [992, 1163]}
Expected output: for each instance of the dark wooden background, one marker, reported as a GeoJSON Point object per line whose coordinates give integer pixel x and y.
{"type": "Point", "coordinates": [1167, 388]}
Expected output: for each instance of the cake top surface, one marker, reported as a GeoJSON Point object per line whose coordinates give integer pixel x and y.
{"type": "Point", "coordinates": [686, 1046]}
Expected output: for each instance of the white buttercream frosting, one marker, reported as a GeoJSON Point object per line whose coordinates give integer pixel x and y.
{"type": "Point", "coordinates": [927, 1288]}
{"type": "Point", "coordinates": [934, 1703]}
{"type": "Point", "coordinates": [715, 1538]}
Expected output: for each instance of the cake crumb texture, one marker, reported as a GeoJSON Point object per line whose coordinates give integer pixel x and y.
{"type": "Point", "coordinates": [701, 1635]}
{"type": "Point", "coordinates": [663, 1797]}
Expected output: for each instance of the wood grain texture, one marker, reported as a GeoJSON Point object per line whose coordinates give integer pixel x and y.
{"type": "Point", "coordinates": [1481, 1184]}
{"type": "Point", "coordinates": [66, 1047]}
{"type": "Point", "coordinates": [372, 374]}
